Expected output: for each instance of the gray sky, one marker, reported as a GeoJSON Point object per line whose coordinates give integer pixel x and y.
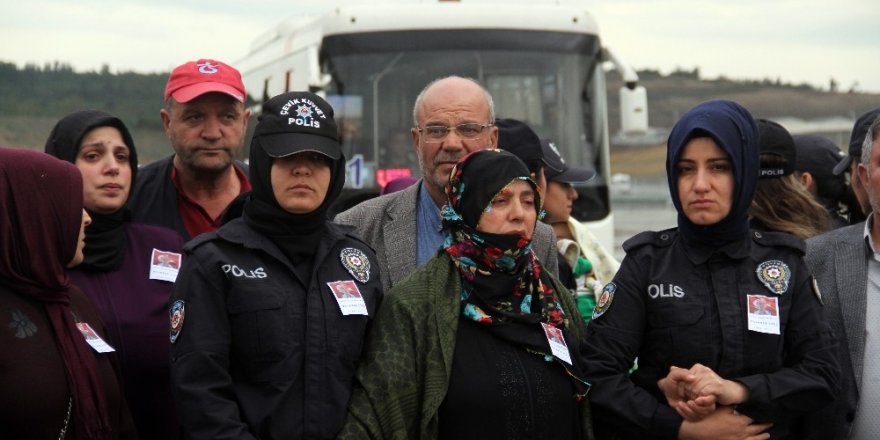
{"type": "Point", "coordinates": [797, 41]}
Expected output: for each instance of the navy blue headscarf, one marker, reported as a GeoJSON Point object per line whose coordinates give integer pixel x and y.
{"type": "Point", "coordinates": [734, 130]}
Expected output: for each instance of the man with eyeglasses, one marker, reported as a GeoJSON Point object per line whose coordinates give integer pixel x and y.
{"type": "Point", "coordinates": [453, 116]}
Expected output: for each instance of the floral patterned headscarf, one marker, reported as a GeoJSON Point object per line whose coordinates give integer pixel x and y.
{"type": "Point", "coordinates": [503, 284]}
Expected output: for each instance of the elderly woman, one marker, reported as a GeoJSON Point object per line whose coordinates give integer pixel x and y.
{"type": "Point", "coordinates": [57, 373]}
{"type": "Point", "coordinates": [480, 342]}
{"type": "Point", "coordinates": [713, 363]}
{"type": "Point", "coordinates": [122, 272]}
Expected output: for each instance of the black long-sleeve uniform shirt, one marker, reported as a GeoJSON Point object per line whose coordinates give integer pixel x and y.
{"type": "Point", "coordinates": [258, 353]}
{"type": "Point", "coordinates": [677, 303]}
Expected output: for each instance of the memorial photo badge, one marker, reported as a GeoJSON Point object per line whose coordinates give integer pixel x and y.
{"type": "Point", "coordinates": [93, 339]}
{"type": "Point", "coordinates": [355, 261]}
{"type": "Point", "coordinates": [763, 314]}
{"type": "Point", "coordinates": [165, 265]}
{"type": "Point", "coordinates": [349, 297]}
{"type": "Point", "coordinates": [775, 275]}
{"type": "Point", "coordinates": [556, 339]}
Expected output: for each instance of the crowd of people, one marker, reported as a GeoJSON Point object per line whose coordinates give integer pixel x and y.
{"type": "Point", "coordinates": [199, 297]}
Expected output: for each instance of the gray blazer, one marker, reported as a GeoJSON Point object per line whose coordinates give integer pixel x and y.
{"type": "Point", "coordinates": [839, 261]}
{"type": "Point", "coordinates": [388, 224]}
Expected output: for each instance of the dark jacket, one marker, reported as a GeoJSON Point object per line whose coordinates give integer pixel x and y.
{"type": "Point", "coordinates": [34, 392]}
{"type": "Point", "coordinates": [676, 304]}
{"type": "Point", "coordinates": [408, 359]}
{"type": "Point", "coordinates": [259, 354]}
{"type": "Point", "coordinates": [154, 197]}
{"type": "Point", "coordinates": [134, 309]}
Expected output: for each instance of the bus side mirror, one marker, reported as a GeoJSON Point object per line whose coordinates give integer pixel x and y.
{"type": "Point", "coordinates": [633, 97]}
{"type": "Point", "coordinates": [633, 110]}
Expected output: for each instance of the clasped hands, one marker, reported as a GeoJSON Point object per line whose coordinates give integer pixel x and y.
{"type": "Point", "coordinates": [706, 402]}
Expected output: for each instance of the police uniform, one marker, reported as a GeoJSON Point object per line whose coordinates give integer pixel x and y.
{"type": "Point", "coordinates": [678, 303]}
{"type": "Point", "coordinates": [255, 342]}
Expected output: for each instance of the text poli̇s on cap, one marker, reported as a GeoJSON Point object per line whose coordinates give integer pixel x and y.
{"type": "Point", "coordinates": [295, 122]}
{"type": "Point", "coordinates": [776, 140]}
{"type": "Point", "coordinates": [195, 78]}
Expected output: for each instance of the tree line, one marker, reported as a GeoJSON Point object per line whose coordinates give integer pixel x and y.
{"type": "Point", "coordinates": [55, 89]}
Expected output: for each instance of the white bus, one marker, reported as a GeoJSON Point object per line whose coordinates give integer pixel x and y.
{"type": "Point", "coordinates": [542, 64]}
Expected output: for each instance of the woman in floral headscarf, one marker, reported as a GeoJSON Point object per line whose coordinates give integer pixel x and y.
{"type": "Point", "coordinates": [480, 342]}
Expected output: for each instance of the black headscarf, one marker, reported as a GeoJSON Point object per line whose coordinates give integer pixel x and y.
{"type": "Point", "coordinates": [297, 235]}
{"type": "Point", "coordinates": [106, 242]}
{"type": "Point", "coordinates": [503, 285]}
{"type": "Point", "coordinates": [731, 127]}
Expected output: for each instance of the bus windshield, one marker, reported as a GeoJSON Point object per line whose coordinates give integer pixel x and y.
{"type": "Point", "coordinates": [545, 80]}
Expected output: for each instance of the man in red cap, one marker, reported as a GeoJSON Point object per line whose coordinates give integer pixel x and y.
{"type": "Point", "coordinates": [205, 118]}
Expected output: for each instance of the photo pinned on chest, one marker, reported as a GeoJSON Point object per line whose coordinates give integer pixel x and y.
{"type": "Point", "coordinates": [556, 339]}
{"type": "Point", "coordinates": [96, 342]}
{"type": "Point", "coordinates": [164, 265]}
{"type": "Point", "coordinates": [763, 314]}
{"type": "Point", "coordinates": [349, 297]}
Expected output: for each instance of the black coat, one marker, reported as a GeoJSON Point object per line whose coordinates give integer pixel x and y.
{"type": "Point", "coordinates": [675, 304]}
{"type": "Point", "coordinates": [153, 199]}
{"type": "Point", "coordinates": [260, 354]}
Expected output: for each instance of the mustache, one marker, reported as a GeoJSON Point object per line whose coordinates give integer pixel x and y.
{"type": "Point", "coordinates": [448, 156]}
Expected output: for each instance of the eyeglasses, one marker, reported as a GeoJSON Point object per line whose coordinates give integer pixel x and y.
{"type": "Point", "coordinates": [436, 133]}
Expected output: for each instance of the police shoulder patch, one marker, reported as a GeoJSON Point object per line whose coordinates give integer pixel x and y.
{"type": "Point", "coordinates": [775, 275]}
{"type": "Point", "coordinates": [605, 299]}
{"type": "Point", "coordinates": [356, 262]}
{"type": "Point", "coordinates": [176, 315]}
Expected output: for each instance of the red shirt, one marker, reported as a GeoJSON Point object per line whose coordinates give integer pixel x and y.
{"type": "Point", "coordinates": [195, 219]}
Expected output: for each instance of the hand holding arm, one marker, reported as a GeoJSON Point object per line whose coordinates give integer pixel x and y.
{"type": "Point", "coordinates": [724, 424]}
{"type": "Point", "coordinates": [674, 386]}
{"type": "Point", "coordinates": [708, 387]}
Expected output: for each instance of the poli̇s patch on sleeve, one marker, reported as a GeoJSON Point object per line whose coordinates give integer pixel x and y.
{"type": "Point", "coordinates": [605, 299]}
{"type": "Point", "coordinates": [176, 315]}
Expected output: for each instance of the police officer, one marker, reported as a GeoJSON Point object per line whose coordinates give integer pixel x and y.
{"type": "Point", "coordinates": [686, 304]}
{"type": "Point", "coordinates": [269, 312]}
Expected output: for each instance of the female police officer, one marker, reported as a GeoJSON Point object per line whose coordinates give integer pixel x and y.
{"type": "Point", "coordinates": [685, 304]}
{"type": "Point", "coordinates": [264, 343]}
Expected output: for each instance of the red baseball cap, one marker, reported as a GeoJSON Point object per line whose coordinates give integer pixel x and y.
{"type": "Point", "coordinates": [195, 78]}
